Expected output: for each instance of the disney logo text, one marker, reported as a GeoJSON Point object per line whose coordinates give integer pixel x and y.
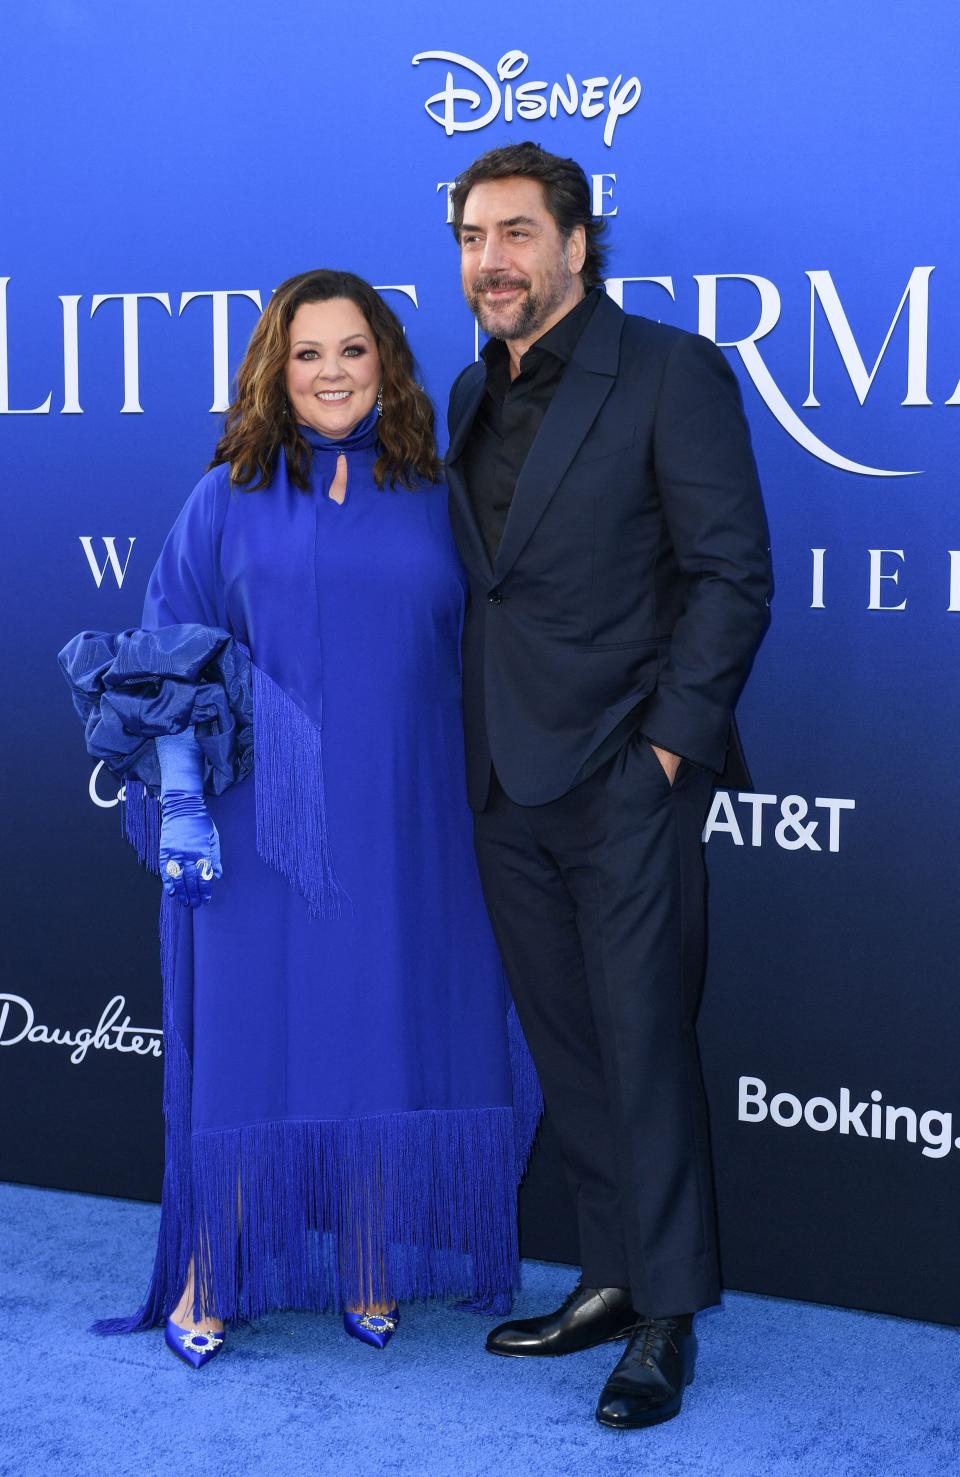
{"type": "Point", "coordinates": [529, 100]}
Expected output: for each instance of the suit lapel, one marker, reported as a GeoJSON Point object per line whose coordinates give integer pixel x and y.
{"type": "Point", "coordinates": [584, 386]}
{"type": "Point", "coordinates": [472, 548]}
{"type": "Point", "coordinates": [469, 396]}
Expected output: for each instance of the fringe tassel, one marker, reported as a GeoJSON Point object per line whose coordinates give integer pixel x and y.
{"type": "Point", "coordinates": [291, 810]}
{"type": "Point", "coordinates": [324, 1214]}
{"type": "Point", "coordinates": [174, 1242]}
{"type": "Point", "coordinates": [141, 823]}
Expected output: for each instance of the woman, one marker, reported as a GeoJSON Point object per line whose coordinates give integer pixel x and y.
{"type": "Point", "coordinates": [344, 1128]}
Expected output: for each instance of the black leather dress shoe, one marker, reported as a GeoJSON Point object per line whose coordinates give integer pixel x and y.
{"type": "Point", "coordinates": [589, 1316]}
{"type": "Point", "coordinates": [647, 1386]}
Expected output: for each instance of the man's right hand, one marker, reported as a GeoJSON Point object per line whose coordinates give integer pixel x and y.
{"type": "Point", "coordinates": [670, 762]}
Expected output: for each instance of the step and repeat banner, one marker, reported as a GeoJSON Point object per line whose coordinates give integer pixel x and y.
{"type": "Point", "coordinates": [780, 179]}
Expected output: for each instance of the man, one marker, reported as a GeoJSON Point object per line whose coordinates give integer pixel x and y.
{"type": "Point", "coordinates": [605, 501]}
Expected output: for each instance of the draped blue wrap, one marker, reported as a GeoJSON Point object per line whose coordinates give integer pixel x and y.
{"type": "Point", "coordinates": [131, 688]}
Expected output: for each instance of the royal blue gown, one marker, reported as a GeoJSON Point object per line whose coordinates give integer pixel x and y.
{"type": "Point", "coordinates": [349, 1102]}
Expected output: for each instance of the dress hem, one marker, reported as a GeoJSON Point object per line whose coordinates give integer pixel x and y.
{"type": "Point", "coordinates": [323, 1214]}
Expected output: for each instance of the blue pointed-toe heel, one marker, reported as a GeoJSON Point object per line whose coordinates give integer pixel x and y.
{"type": "Point", "coordinates": [375, 1329]}
{"type": "Point", "coordinates": [192, 1345]}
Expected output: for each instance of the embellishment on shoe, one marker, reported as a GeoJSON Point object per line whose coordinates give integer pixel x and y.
{"type": "Point", "coordinates": [377, 1323]}
{"type": "Point", "coordinates": [199, 1341]}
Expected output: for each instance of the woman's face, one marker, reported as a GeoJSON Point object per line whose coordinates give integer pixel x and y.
{"type": "Point", "coordinates": [333, 368]}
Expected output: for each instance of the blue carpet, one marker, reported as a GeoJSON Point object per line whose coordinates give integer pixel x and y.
{"type": "Point", "coordinates": [781, 1387]}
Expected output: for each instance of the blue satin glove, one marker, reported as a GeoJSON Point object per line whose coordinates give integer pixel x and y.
{"type": "Point", "coordinates": [188, 837]}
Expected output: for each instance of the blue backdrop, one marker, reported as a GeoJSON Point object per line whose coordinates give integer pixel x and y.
{"type": "Point", "coordinates": [778, 177]}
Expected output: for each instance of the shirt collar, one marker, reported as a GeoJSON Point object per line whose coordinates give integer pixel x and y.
{"type": "Point", "coordinates": [560, 340]}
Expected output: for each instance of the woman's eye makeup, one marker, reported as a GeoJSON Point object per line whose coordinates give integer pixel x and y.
{"type": "Point", "coordinates": [352, 351]}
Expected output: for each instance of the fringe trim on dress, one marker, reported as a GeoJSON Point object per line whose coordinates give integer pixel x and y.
{"type": "Point", "coordinates": [291, 808]}
{"type": "Point", "coordinates": [327, 1214]}
{"type": "Point", "coordinates": [141, 823]}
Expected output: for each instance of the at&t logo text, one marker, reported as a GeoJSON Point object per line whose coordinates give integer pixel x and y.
{"type": "Point", "coordinates": [788, 823]}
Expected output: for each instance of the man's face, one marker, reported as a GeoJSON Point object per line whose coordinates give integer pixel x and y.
{"type": "Point", "coordinates": [519, 275]}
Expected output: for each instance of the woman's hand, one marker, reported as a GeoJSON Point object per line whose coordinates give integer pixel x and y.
{"type": "Point", "coordinates": [189, 848]}
{"type": "Point", "coordinates": [189, 844]}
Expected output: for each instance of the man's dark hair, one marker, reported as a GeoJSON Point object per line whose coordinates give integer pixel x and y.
{"type": "Point", "coordinates": [566, 192]}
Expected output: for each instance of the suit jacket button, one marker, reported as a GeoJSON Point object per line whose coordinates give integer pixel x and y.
{"type": "Point", "coordinates": [495, 597]}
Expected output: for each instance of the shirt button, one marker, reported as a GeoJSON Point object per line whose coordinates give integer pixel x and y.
{"type": "Point", "coordinates": [495, 597]}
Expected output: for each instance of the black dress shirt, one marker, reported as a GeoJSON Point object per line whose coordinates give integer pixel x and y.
{"type": "Point", "coordinates": [510, 414]}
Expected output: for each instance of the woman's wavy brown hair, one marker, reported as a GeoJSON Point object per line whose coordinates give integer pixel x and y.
{"type": "Point", "coordinates": [259, 423]}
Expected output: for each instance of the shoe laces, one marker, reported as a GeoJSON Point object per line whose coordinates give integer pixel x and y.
{"type": "Point", "coordinates": [655, 1331]}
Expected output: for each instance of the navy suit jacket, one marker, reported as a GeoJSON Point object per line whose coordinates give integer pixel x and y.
{"type": "Point", "coordinates": [634, 564]}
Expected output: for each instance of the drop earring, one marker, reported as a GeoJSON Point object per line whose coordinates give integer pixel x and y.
{"type": "Point", "coordinates": [380, 401]}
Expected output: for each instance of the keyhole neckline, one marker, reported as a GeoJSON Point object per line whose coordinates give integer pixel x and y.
{"type": "Point", "coordinates": [340, 480]}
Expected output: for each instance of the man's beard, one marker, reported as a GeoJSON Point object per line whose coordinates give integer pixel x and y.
{"type": "Point", "coordinates": [523, 318]}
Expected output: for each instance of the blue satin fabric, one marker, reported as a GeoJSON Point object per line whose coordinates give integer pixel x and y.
{"type": "Point", "coordinates": [131, 688]}
{"type": "Point", "coordinates": [189, 847]}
